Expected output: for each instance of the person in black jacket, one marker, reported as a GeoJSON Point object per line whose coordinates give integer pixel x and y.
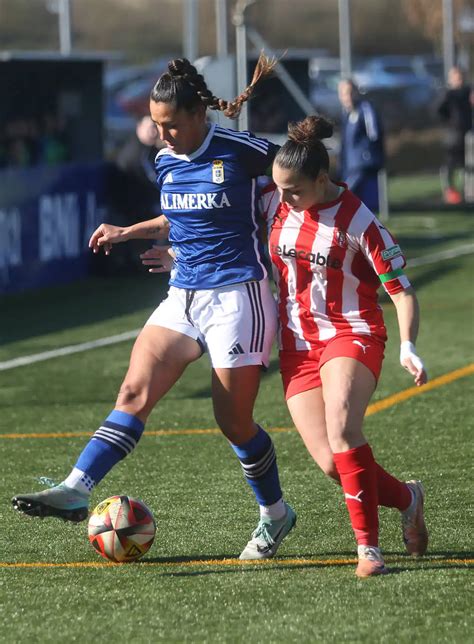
{"type": "Point", "coordinates": [455, 110]}
{"type": "Point", "coordinates": [139, 196]}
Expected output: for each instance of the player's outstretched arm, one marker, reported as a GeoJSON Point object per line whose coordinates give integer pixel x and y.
{"type": "Point", "coordinates": [408, 315]}
{"type": "Point", "coordinates": [106, 234]}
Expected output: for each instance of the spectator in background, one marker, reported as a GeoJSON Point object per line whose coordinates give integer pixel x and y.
{"type": "Point", "coordinates": [455, 110]}
{"type": "Point", "coordinates": [36, 140]}
{"type": "Point", "coordinates": [136, 160]}
{"type": "Point", "coordinates": [20, 143]}
{"type": "Point", "coordinates": [52, 144]}
{"type": "Point", "coordinates": [362, 150]}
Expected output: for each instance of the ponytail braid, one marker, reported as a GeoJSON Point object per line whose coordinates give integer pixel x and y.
{"type": "Point", "coordinates": [183, 85]}
{"type": "Point", "coordinates": [182, 68]}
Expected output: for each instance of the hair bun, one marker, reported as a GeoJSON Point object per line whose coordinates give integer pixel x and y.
{"type": "Point", "coordinates": [179, 66]}
{"type": "Point", "coordinates": [311, 130]}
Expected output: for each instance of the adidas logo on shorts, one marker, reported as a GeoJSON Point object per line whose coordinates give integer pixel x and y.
{"type": "Point", "coordinates": [237, 349]}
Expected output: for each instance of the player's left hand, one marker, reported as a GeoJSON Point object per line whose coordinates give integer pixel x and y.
{"type": "Point", "coordinates": [105, 236]}
{"type": "Point", "coordinates": [412, 363]}
{"type": "Point", "coordinates": [160, 257]}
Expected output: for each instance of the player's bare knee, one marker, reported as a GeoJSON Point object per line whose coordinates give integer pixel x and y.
{"type": "Point", "coordinates": [236, 432]}
{"type": "Point", "coordinates": [341, 435]}
{"type": "Point", "coordinates": [134, 396]}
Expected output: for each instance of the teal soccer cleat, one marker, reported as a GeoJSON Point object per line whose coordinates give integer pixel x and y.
{"type": "Point", "coordinates": [60, 501]}
{"type": "Point", "coordinates": [268, 535]}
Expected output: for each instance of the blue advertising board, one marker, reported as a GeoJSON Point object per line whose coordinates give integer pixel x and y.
{"type": "Point", "coordinates": [47, 214]}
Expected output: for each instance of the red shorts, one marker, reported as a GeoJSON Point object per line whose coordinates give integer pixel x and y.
{"type": "Point", "coordinates": [300, 369]}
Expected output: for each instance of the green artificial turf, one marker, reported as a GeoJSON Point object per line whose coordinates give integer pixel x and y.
{"type": "Point", "coordinates": [189, 587]}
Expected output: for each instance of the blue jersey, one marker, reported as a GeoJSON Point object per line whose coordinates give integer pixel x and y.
{"type": "Point", "coordinates": [361, 142]}
{"type": "Point", "coordinates": [210, 200]}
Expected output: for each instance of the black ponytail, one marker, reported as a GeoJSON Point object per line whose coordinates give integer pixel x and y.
{"type": "Point", "coordinates": [183, 86]}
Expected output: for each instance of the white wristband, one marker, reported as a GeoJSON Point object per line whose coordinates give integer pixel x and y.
{"type": "Point", "coordinates": [407, 350]}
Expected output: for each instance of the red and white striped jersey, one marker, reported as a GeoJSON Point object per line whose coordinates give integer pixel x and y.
{"type": "Point", "coordinates": [328, 264]}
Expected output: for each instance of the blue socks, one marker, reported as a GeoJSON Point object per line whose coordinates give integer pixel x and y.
{"type": "Point", "coordinates": [114, 440]}
{"type": "Point", "coordinates": [258, 460]}
{"type": "Point", "coordinates": [120, 433]}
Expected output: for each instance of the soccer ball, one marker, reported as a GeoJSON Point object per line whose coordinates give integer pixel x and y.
{"type": "Point", "coordinates": [121, 528]}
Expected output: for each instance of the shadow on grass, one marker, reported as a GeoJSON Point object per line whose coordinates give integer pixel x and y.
{"type": "Point", "coordinates": [246, 569]}
{"type": "Point", "coordinates": [205, 559]}
{"type": "Point", "coordinates": [340, 554]}
{"type": "Point", "coordinates": [433, 554]}
{"type": "Point", "coordinates": [438, 560]}
{"type": "Point", "coordinates": [81, 303]}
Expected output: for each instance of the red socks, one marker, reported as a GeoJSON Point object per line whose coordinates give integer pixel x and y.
{"type": "Point", "coordinates": [366, 485]}
{"type": "Point", "coordinates": [358, 471]}
{"type": "Point", "coordinates": [392, 492]}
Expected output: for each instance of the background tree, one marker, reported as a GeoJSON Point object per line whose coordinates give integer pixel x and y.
{"type": "Point", "coordinates": [427, 16]}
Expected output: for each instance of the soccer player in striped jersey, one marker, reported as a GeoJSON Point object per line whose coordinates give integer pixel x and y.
{"type": "Point", "coordinates": [219, 301]}
{"type": "Point", "coordinates": [330, 254]}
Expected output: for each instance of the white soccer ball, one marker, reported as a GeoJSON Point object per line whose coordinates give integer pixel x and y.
{"type": "Point", "coordinates": [121, 528]}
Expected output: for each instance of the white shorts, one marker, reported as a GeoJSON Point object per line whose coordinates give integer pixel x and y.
{"type": "Point", "coordinates": [235, 324]}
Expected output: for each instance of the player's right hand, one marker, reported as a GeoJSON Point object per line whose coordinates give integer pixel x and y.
{"type": "Point", "coordinates": [106, 235]}
{"type": "Point", "coordinates": [160, 257]}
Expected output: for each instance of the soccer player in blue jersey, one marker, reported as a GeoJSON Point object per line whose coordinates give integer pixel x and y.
{"type": "Point", "coordinates": [362, 145]}
{"type": "Point", "coordinates": [219, 301]}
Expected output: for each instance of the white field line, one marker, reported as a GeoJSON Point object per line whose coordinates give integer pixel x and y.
{"type": "Point", "coordinates": [130, 335]}
{"type": "Point", "coordinates": [450, 253]}
{"type": "Point", "coordinates": [66, 351]}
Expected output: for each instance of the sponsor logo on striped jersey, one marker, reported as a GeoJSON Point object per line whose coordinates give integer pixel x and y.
{"type": "Point", "coordinates": [312, 258]}
{"type": "Point", "coordinates": [391, 253]}
{"type": "Point", "coordinates": [341, 238]}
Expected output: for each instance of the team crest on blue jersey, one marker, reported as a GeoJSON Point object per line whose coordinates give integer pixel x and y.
{"type": "Point", "coordinates": [341, 238]}
{"type": "Point", "coordinates": [218, 171]}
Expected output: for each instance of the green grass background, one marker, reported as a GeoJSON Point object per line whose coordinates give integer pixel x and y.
{"type": "Point", "coordinates": [202, 506]}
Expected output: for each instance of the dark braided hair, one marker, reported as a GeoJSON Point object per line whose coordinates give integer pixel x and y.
{"type": "Point", "coordinates": [304, 151]}
{"type": "Point", "coordinates": [183, 86]}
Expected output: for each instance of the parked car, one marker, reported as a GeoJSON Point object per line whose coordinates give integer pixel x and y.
{"type": "Point", "coordinates": [400, 73]}
{"type": "Point", "coordinates": [386, 71]}
{"type": "Point", "coordinates": [431, 67]}
{"type": "Point", "coordinates": [126, 96]}
{"type": "Point", "coordinates": [131, 94]}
